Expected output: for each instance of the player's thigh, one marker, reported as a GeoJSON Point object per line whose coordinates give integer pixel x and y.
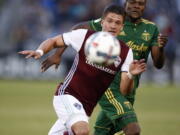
{"type": "Point", "coordinates": [103, 125]}
{"type": "Point", "coordinates": [118, 109]}
{"type": "Point", "coordinates": [114, 104]}
{"type": "Point", "coordinates": [69, 110]}
{"type": "Point", "coordinates": [132, 129]}
{"type": "Point", "coordinates": [80, 128]}
{"type": "Point", "coordinates": [126, 123]}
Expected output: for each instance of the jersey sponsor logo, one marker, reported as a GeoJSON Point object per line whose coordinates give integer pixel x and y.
{"type": "Point", "coordinates": [77, 105]}
{"type": "Point", "coordinates": [117, 61]}
{"type": "Point", "coordinates": [137, 47]}
{"type": "Point", "coordinates": [101, 67]}
{"type": "Point", "coordinates": [146, 36]}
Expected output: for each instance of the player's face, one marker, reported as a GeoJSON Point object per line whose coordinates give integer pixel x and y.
{"type": "Point", "coordinates": [112, 23]}
{"type": "Point", "coordinates": [135, 8]}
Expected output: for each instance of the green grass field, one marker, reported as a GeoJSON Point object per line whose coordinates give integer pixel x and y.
{"type": "Point", "coordinates": [26, 108]}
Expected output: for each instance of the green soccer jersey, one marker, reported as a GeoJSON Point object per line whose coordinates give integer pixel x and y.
{"type": "Point", "coordinates": [140, 37]}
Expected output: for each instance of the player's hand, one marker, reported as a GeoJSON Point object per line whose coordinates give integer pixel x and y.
{"type": "Point", "coordinates": [49, 61]}
{"type": "Point", "coordinates": [31, 54]}
{"type": "Point", "coordinates": [137, 67]}
{"type": "Point", "coordinates": [162, 40]}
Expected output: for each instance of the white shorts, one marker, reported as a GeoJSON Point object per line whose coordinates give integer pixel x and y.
{"type": "Point", "coordinates": [69, 111]}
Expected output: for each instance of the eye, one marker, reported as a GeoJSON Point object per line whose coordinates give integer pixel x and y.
{"type": "Point", "coordinates": [109, 20]}
{"type": "Point", "coordinates": [132, 2]}
{"type": "Point", "coordinates": [141, 3]}
{"type": "Point", "coordinates": [118, 23]}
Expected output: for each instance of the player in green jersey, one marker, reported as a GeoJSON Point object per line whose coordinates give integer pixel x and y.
{"type": "Point", "coordinates": [143, 37]}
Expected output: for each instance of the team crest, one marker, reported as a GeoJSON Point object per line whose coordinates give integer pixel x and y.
{"type": "Point", "coordinates": [145, 36]}
{"type": "Point", "coordinates": [128, 104]}
{"type": "Point", "coordinates": [117, 61]}
{"type": "Point", "coordinates": [78, 106]}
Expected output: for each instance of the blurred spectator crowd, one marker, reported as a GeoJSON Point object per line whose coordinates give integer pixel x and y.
{"type": "Point", "coordinates": [25, 23]}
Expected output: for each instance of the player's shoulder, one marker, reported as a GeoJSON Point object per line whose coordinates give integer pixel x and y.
{"type": "Point", "coordinates": [79, 30]}
{"type": "Point", "coordinates": [95, 24]}
{"type": "Point", "coordinates": [97, 20]}
{"type": "Point", "coordinates": [90, 32]}
{"type": "Point", "coordinates": [148, 22]}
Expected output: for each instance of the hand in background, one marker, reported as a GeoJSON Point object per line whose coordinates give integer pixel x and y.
{"type": "Point", "coordinates": [162, 40]}
{"type": "Point", "coordinates": [50, 61]}
{"type": "Point", "coordinates": [137, 67]}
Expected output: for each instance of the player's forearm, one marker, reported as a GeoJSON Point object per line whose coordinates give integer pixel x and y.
{"type": "Point", "coordinates": [51, 43]}
{"type": "Point", "coordinates": [126, 84]}
{"type": "Point", "coordinates": [47, 46]}
{"type": "Point", "coordinates": [161, 59]}
{"type": "Point", "coordinates": [158, 58]}
{"type": "Point", "coordinates": [60, 51]}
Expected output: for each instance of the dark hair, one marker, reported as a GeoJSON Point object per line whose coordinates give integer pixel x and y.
{"type": "Point", "coordinates": [114, 8]}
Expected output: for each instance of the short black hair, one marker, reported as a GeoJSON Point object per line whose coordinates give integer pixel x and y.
{"type": "Point", "coordinates": [113, 8]}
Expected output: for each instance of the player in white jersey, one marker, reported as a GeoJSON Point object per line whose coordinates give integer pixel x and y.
{"type": "Point", "coordinates": [77, 96]}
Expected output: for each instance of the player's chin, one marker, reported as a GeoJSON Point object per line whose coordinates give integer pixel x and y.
{"type": "Point", "coordinates": [135, 16]}
{"type": "Point", "coordinates": [112, 33]}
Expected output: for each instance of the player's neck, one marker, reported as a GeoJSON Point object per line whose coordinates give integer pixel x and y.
{"type": "Point", "coordinates": [133, 20]}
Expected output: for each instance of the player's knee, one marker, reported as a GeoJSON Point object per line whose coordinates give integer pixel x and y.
{"type": "Point", "coordinates": [84, 131]}
{"type": "Point", "coordinates": [80, 128]}
{"type": "Point", "coordinates": [132, 129]}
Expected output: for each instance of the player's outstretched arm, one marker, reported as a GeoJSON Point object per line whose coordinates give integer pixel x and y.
{"type": "Point", "coordinates": [157, 52]}
{"type": "Point", "coordinates": [44, 47]}
{"type": "Point", "coordinates": [55, 59]}
{"type": "Point", "coordinates": [136, 67]}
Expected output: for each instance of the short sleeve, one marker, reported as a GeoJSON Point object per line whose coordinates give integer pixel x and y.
{"type": "Point", "coordinates": [127, 62]}
{"type": "Point", "coordinates": [155, 37]}
{"type": "Point", "coordinates": [75, 38]}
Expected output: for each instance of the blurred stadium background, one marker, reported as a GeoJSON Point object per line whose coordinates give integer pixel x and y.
{"type": "Point", "coordinates": [26, 94]}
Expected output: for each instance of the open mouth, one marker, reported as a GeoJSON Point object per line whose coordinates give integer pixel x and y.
{"type": "Point", "coordinates": [135, 12]}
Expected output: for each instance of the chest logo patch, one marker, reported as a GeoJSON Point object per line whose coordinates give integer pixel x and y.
{"type": "Point", "coordinates": [77, 105]}
{"type": "Point", "coordinates": [128, 104]}
{"type": "Point", "coordinates": [146, 36]}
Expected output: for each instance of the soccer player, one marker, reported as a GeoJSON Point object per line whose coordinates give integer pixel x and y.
{"type": "Point", "coordinates": [143, 37]}
{"type": "Point", "coordinates": [77, 96]}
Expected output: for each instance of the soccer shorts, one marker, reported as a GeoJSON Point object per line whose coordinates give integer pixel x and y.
{"type": "Point", "coordinates": [69, 111]}
{"type": "Point", "coordinates": [117, 112]}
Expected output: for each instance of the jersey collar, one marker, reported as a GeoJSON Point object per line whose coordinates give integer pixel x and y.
{"type": "Point", "coordinates": [127, 22]}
